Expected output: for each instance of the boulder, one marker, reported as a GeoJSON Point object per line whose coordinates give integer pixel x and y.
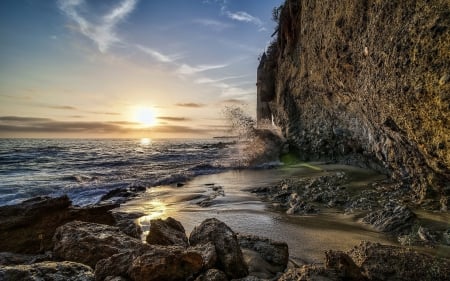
{"type": "Point", "coordinates": [168, 263]}
{"type": "Point", "coordinates": [33, 222]}
{"type": "Point", "coordinates": [167, 232]}
{"type": "Point", "coordinates": [88, 243]}
{"type": "Point", "coordinates": [383, 262]}
{"type": "Point", "coordinates": [152, 262]}
{"type": "Point", "coordinates": [257, 266]}
{"type": "Point", "coordinates": [344, 266]}
{"type": "Point", "coordinates": [55, 271]}
{"type": "Point", "coordinates": [212, 275]}
{"type": "Point", "coordinates": [8, 258]}
{"type": "Point", "coordinates": [229, 254]}
{"type": "Point", "coordinates": [309, 273]}
{"type": "Point", "coordinates": [392, 218]}
{"type": "Point", "coordinates": [274, 253]}
{"type": "Point", "coordinates": [126, 222]}
{"type": "Point", "coordinates": [208, 253]}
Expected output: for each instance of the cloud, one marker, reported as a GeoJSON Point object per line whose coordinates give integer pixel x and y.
{"type": "Point", "coordinates": [213, 24]}
{"type": "Point", "coordinates": [64, 107]}
{"type": "Point", "coordinates": [17, 124]}
{"type": "Point", "coordinates": [103, 33]}
{"type": "Point", "coordinates": [23, 119]}
{"type": "Point", "coordinates": [178, 130]}
{"type": "Point", "coordinates": [102, 113]}
{"type": "Point", "coordinates": [159, 56]}
{"type": "Point", "coordinates": [243, 17]}
{"type": "Point", "coordinates": [233, 101]}
{"type": "Point", "coordinates": [10, 125]}
{"type": "Point", "coordinates": [189, 70]}
{"type": "Point", "coordinates": [191, 104]}
{"type": "Point", "coordinates": [205, 80]}
{"type": "Point", "coordinates": [169, 118]}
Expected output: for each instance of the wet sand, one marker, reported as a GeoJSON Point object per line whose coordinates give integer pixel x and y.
{"type": "Point", "coordinates": [307, 236]}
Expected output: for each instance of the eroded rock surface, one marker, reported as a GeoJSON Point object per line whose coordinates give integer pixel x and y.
{"type": "Point", "coordinates": [229, 254]}
{"type": "Point", "coordinates": [88, 243]}
{"type": "Point", "coordinates": [55, 271]}
{"type": "Point", "coordinates": [167, 232]}
{"type": "Point", "coordinates": [364, 82]}
{"type": "Point", "coordinates": [33, 222]}
{"type": "Point", "coordinates": [274, 253]}
{"type": "Point", "coordinates": [392, 218]}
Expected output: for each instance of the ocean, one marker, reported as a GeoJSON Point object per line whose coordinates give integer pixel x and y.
{"type": "Point", "coordinates": [86, 170]}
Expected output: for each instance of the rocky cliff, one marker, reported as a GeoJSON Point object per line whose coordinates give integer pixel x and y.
{"type": "Point", "coordinates": [365, 82]}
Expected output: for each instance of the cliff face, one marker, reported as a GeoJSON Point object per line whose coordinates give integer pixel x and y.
{"type": "Point", "coordinates": [364, 81]}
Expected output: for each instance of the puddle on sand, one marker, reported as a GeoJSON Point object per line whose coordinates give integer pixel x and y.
{"type": "Point", "coordinates": [307, 236]}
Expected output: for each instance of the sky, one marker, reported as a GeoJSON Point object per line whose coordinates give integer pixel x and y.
{"type": "Point", "coordinates": [128, 68]}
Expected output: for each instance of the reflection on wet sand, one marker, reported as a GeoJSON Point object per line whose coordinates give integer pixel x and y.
{"type": "Point", "coordinates": [307, 236]}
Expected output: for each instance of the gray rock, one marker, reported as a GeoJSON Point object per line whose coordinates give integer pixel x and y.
{"type": "Point", "coordinates": [309, 273]}
{"type": "Point", "coordinates": [392, 218]}
{"type": "Point", "coordinates": [212, 275]}
{"type": "Point", "coordinates": [229, 254]}
{"type": "Point", "coordinates": [55, 271]}
{"type": "Point", "coordinates": [7, 258]}
{"type": "Point", "coordinates": [208, 253]}
{"type": "Point", "coordinates": [126, 222]}
{"type": "Point", "coordinates": [383, 262]}
{"type": "Point", "coordinates": [167, 232]}
{"type": "Point", "coordinates": [88, 243]}
{"type": "Point", "coordinates": [275, 253]}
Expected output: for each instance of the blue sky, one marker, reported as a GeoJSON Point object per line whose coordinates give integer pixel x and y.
{"type": "Point", "coordinates": [74, 68]}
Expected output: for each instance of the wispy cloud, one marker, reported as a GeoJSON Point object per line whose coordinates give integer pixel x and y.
{"type": "Point", "coordinates": [102, 33]}
{"type": "Point", "coordinates": [159, 56]}
{"type": "Point", "coordinates": [232, 101]}
{"type": "Point", "coordinates": [185, 69]}
{"type": "Point", "coordinates": [205, 80]}
{"type": "Point", "coordinates": [17, 124]}
{"type": "Point", "coordinates": [243, 16]}
{"type": "Point", "coordinates": [62, 107]}
{"type": "Point", "coordinates": [191, 104]}
{"type": "Point", "coordinates": [213, 24]}
{"type": "Point", "coordinates": [176, 119]}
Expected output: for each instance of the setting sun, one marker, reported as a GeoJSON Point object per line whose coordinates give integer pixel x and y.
{"type": "Point", "coordinates": [145, 116]}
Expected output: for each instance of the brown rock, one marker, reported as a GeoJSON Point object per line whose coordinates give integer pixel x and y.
{"type": "Point", "coordinates": [343, 264]}
{"type": "Point", "coordinates": [166, 263]}
{"type": "Point", "coordinates": [309, 273]}
{"type": "Point", "coordinates": [208, 253]}
{"type": "Point", "coordinates": [229, 255]}
{"type": "Point", "coordinates": [55, 271]}
{"type": "Point", "coordinates": [33, 222]}
{"type": "Point", "coordinates": [392, 218]}
{"type": "Point", "coordinates": [167, 232]}
{"type": "Point", "coordinates": [7, 258]}
{"type": "Point", "coordinates": [126, 222]}
{"type": "Point", "coordinates": [273, 252]}
{"type": "Point", "coordinates": [365, 83]}
{"type": "Point", "coordinates": [116, 265]}
{"type": "Point", "coordinates": [89, 242]}
{"type": "Point", "coordinates": [212, 275]}
{"type": "Point", "coordinates": [383, 262]}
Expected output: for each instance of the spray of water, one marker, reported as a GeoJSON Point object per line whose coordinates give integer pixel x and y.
{"type": "Point", "coordinates": [256, 146]}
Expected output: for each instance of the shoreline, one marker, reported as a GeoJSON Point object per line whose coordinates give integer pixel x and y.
{"type": "Point", "coordinates": [253, 201]}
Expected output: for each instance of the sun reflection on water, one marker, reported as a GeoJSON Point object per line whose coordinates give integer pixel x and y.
{"type": "Point", "coordinates": [155, 209]}
{"type": "Point", "coordinates": [145, 141]}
